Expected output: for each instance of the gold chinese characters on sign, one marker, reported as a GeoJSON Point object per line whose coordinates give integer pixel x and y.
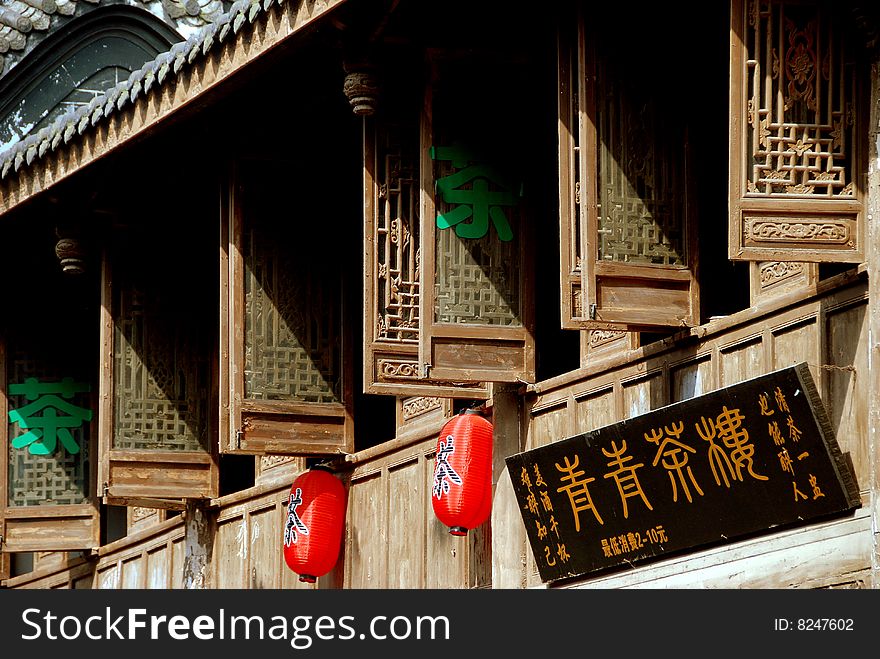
{"type": "Point", "coordinates": [754, 456]}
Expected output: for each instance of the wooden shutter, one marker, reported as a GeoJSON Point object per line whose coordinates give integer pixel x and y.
{"type": "Point", "coordinates": [627, 223]}
{"type": "Point", "coordinates": [392, 258]}
{"type": "Point", "coordinates": [798, 117]}
{"type": "Point", "coordinates": [476, 305]}
{"type": "Point", "coordinates": [158, 383]}
{"type": "Point", "coordinates": [287, 357]}
{"type": "Point", "coordinates": [48, 394]}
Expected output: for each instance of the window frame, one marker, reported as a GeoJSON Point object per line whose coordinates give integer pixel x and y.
{"type": "Point", "coordinates": [844, 217]}
{"type": "Point", "coordinates": [470, 352]}
{"type": "Point", "coordinates": [146, 478]}
{"type": "Point", "coordinates": [68, 527]}
{"type": "Point", "coordinates": [269, 427]}
{"type": "Point", "coordinates": [597, 295]}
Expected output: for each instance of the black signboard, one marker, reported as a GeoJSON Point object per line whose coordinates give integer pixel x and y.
{"type": "Point", "coordinates": [755, 456]}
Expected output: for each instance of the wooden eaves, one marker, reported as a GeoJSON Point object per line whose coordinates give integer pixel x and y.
{"type": "Point", "coordinates": [176, 81]}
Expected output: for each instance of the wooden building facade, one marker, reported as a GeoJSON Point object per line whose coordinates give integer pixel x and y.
{"type": "Point", "coordinates": [253, 237]}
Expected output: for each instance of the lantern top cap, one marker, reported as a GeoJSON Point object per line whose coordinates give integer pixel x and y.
{"type": "Point", "coordinates": [473, 411]}
{"type": "Point", "coordinates": [321, 467]}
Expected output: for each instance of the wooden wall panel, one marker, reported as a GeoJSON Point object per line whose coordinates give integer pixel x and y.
{"type": "Point", "coordinates": [75, 573]}
{"type": "Point", "coordinates": [595, 410]}
{"type": "Point", "coordinates": [289, 579]}
{"type": "Point", "coordinates": [846, 375]}
{"type": "Point", "coordinates": [142, 560]}
{"type": "Point", "coordinates": [394, 540]}
{"type": "Point", "coordinates": [691, 378]}
{"type": "Point", "coordinates": [107, 578]}
{"type": "Point", "coordinates": [741, 361]}
{"type": "Point", "coordinates": [82, 581]}
{"type": "Point", "coordinates": [158, 568]}
{"type": "Point", "coordinates": [265, 539]}
{"type": "Point", "coordinates": [178, 552]}
{"type": "Point", "coordinates": [548, 424]}
{"type": "Point", "coordinates": [230, 552]}
{"type": "Point", "coordinates": [406, 525]}
{"type": "Point", "coordinates": [367, 515]}
{"type": "Point", "coordinates": [248, 550]}
{"type": "Point", "coordinates": [797, 342]}
{"type": "Point", "coordinates": [643, 394]}
{"type": "Point", "coordinates": [133, 574]}
{"type": "Point", "coordinates": [446, 554]}
{"type": "Point", "coordinates": [823, 556]}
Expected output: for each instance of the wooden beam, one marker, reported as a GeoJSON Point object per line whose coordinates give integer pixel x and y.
{"type": "Point", "coordinates": [508, 533]}
{"type": "Point", "coordinates": [873, 263]}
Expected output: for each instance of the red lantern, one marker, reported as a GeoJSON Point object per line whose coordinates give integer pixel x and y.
{"type": "Point", "coordinates": [315, 520]}
{"type": "Point", "coordinates": [462, 490]}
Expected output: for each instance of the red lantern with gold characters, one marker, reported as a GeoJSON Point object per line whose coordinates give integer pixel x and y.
{"type": "Point", "coordinates": [315, 521]}
{"type": "Point", "coordinates": [462, 490]}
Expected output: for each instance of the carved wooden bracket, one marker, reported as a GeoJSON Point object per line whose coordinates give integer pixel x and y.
{"type": "Point", "coordinates": [361, 87]}
{"type": "Point", "coordinates": [71, 250]}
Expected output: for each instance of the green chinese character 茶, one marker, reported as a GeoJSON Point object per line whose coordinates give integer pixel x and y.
{"type": "Point", "coordinates": [45, 430]}
{"type": "Point", "coordinates": [477, 203]}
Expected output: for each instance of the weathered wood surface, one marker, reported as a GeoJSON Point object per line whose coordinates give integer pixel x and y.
{"type": "Point", "coordinates": [394, 540]}
{"type": "Point", "coordinates": [871, 383]}
{"type": "Point", "coordinates": [824, 556]}
{"type": "Point", "coordinates": [247, 549]}
{"type": "Point", "coordinates": [508, 537]}
{"type": "Point", "coordinates": [769, 278]}
{"type": "Point", "coordinates": [152, 558]}
{"type": "Point", "coordinates": [38, 529]}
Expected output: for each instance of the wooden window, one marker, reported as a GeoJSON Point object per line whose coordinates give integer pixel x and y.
{"type": "Point", "coordinates": [48, 395]}
{"type": "Point", "coordinates": [797, 123]}
{"type": "Point", "coordinates": [392, 274]}
{"type": "Point", "coordinates": [627, 221]}
{"type": "Point", "coordinates": [158, 433]}
{"type": "Point", "coordinates": [476, 307]}
{"type": "Point", "coordinates": [287, 367]}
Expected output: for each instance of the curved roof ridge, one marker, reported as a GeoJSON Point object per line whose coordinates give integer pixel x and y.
{"type": "Point", "coordinates": [156, 73]}
{"type": "Point", "coordinates": [24, 23]}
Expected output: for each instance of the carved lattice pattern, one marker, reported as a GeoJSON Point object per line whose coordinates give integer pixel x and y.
{"type": "Point", "coordinates": [46, 480]}
{"type": "Point", "coordinates": [476, 278]}
{"type": "Point", "coordinates": [397, 235]}
{"type": "Point", "coordinates": [801, 101]}
{"type": "Point", "coordinates": [160, 376]}
{"type": "Point", "coordinates": [641, 178]}
{"type": "Point", "coordinates": [574, 220]}
{"type": "Point", "coordinates": [292, 345]}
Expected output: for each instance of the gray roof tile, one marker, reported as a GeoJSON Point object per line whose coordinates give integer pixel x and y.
{"type": "Point", "coordinates": [164, 69]}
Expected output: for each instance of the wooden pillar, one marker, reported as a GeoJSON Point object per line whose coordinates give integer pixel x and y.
{"type": "Point", "coordinates": [508, 532]}
{"type": "Point", "coordinates": [872, 256]}
{"type": "Point", "coordinates": [199, 531]}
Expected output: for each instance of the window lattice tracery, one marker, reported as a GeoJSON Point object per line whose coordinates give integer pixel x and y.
{"type": "Point", "coordinates": [60, 478]}
{"type": "Point", "coordinates": [801, 101]}
{"type": "Point", "coordinates": [292, 349]}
